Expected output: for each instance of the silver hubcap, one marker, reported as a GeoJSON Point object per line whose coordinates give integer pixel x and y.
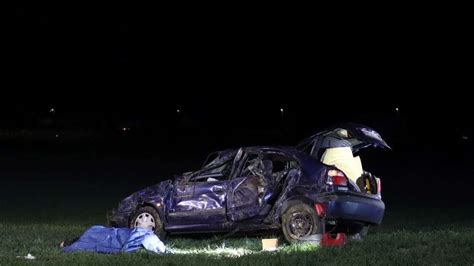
{"type": "Point", "coordinates": [145, 220]}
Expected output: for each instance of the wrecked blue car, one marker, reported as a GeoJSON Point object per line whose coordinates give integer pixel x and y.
{"type": "Point", "coordinates": [317, 186]}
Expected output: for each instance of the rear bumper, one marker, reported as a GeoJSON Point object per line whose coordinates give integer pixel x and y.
{"type": "Point", "coordinates": [353, 207]}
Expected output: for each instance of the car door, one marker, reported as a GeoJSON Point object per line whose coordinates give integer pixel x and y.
{"type": "Point", "coordinates": [201, 199]}
{"type": "Point", "coordinates": [245, 190]}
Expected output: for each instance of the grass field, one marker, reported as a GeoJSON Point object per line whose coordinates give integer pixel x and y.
{"type": "Point", "coordinates": [414, 236]}
{"type": "Point", "coordinates": [39, 208]}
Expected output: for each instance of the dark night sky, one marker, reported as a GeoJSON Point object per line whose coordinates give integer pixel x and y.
{"type": "Point", "coordinates": [119, 63]}
{"type": "Point", "coordinates": [229, 72]}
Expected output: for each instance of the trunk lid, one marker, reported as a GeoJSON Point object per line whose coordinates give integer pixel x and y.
{"type": "Point", "coordinates": [355, 136]}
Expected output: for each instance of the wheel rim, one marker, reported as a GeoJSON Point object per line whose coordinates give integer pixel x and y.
{"type": "Point", "coordinates": [300, 225]}
{"type": "Point", "coordinates": [145, 220]}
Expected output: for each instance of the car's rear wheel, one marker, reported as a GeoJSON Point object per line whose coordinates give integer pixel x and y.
{"type": "Point", "coordinates": [299, 221]}
{"type": "Point", "coordinates": [147, 217]}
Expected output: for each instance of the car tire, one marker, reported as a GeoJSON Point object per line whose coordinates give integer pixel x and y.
{"type": "Point", "coordinates": [299, 221]}
{"type": "Point", "coordinates": [147, 217]}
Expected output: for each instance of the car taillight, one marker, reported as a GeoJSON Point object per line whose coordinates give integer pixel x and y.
{"type": "Point", "coordinates": [336, 178]}
{"type": "Point", "coordinates": [379, 186]}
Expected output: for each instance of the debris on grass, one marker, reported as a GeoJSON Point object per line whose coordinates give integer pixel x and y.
{"type": "Point", "coordinates": [270, 244]}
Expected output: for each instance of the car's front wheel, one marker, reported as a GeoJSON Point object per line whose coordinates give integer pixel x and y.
{"type": "Point", "coordinates": [299, 221]}
{"type": "Point", "coordinates": [147, 217]}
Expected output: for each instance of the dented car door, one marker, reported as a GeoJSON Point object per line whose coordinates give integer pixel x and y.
{"type": "Point", "coordinates": [201, 198]}
{"type": "Point", "coordinates": [199, 202]}
{"type": "Point", "coordinates": [247, 189]}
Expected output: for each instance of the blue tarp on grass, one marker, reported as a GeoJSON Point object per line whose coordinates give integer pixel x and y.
{"type": "Point", "coordinates": [103, 239]}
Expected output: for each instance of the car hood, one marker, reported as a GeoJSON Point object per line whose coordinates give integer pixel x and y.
{"type": "Point", "coordinates": [352, 135]}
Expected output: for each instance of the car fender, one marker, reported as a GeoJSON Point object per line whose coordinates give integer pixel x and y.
{"type": "Point", "coordinates": [293, 201]}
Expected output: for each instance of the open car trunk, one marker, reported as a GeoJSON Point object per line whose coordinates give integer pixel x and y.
{"type": "Point", "coordinates": [351, 135]}
{"type": "Point", "coordinates": [336, 146]}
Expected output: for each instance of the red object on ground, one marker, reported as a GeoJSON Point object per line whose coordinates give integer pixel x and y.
{"type": "Point", "coordinates": [338, 241]}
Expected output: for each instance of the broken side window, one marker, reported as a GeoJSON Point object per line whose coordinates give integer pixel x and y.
{"type": "Point", "coordinates": [250, 162]}
{"type": "Point", "coordinates": [281, 165]}
{"type": "Point", "coordinates": [219, 172]}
